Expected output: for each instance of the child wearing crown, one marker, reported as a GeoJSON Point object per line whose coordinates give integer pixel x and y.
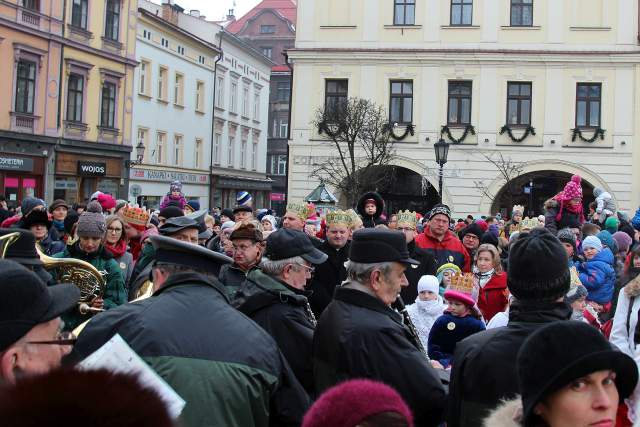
{"type": "Point", "coordinates": [460, 319]}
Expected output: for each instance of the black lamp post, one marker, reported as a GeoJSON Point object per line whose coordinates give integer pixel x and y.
{"type": "Point", "coordinates": [531, 198]}
{"type": "Point", "coordinates": [442, 151]}
{"type": "Point", "coordinates": [139, 156]}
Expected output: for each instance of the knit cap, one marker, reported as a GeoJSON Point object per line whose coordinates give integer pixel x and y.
{"type": "Point", "coordinates": [592, 242]}
{"type": "Point", "coordinates": [623, 240]}
{"type": "Point", "coordinates": [606, 239]}
{"type": "Point", "coordinates": [91, 224]}
{"type": "Point", "coordinates": [575, 293]}
{"type": "Point", "coordinates": [94, 206]}
{"type": "Point", "coordinates": [566, 236]}
{"type": "Point", "coordinates": [106, 201]}
{"type": "Point", "coordinates": [29, 203]}
{"type": "Point", "coordinates": [429, 283]}
{"type": "Point", "coordinates": [227, 224]}
{"type": "Point", "coordinates": [349, 403]}
{"type": "Point", "coordinates": [175, 186]}
{"type": "Point", "coordinates": [243, 198]}
{"type": "Point", "coordinates": [611, 224]}
{"type": "Point", "coordinates": [452, 268]}
{"type": "Point", "coordinates": [573, 189]}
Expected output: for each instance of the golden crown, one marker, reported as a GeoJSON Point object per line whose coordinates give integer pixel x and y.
{"type": "Point", "coordinates": [339, 218]}
{"type": "Point", "coordinates": [407, 217]}
{"type": "Point", "coordinates": [303, 210]}
{"type": "Point", "coordinates": [463, 282]}
{"type": "Point", "coordinates": [136, 216]}
{"type": "Point", "coordinates": [518, 208]}
{"type": "Point", "coordinates": [529, 223]}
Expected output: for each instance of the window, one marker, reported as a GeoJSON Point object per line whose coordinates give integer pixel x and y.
{"type": "Point", "coordinates": [75, 92]}
{"type": "Point", "coordinates": [112, 21]}
{"type": "Point", "coordinates": [201, 59]}
{"type": "Point", "coordinates": [31, 4]}
{"type": "Point", "coordinates": [461, 12]}
{"type": "Point", "coordinates": [144, 77]}
{"type": "Point", "coordinates": [220, 92]}
{"type": "Point", "coordinates": [142, 138]}
{"type": "Point", "coordinates": [283, 91]}
{"type": "Point", "coordinates": [588, 104]}
{"type": "Point", "coordinates": [404, 12]}
{"type": "Point", "coordinates": [335, 96]}
{"type": "Point", "coordinates": [401, 101]}
{"type": "Point", "coordinates": [267, 51]}
{"type": "Point", "coordinates": [230, 149]}
{"type": "Point", "coordinates": [178, 90]}
{"type": "Point", "coordinates": [518, 103]}
{"type": "Point", "coordinates": [108, 111]}
{"type": "Point", "coordinates": [280, 128]}
{"type": "Point", "coordinates": [164, 42]}
{"type": "Point", "coordinates": [256, 106]}
{"type": "Point", "coordinates": [181, 50]}
{"type": "Point", "coordinates": [198, 154]}
{"type": "Point", "coordinates": [233, 102]}
{"type": "Point", "coordinates": [254, 155]}
{"type": "Point", "coordinates": [267, 29]}
{"type": "Point", "coordinates": [521, 13]}
{"type": "Point", "coordinates": [284, 127]}
{"type": "Point", "coordinates": [177, 150]}
{"type": "Point", "coordinates": [161, 140]}
{"type": "Point", "coordinates": [459, 103]}
{"type": "Point", "coordinates": [79, 13]}
{"type": "Point", "coordinates": [200, 96]}
{"type": "Point", "coordinates": [243, 154]}
{"type": "Point", "coordinates": [217, 141]}
{"type": "Point", "coordinates": [162, 83]}
{"type": "Point", "coordinates": [278, 164]}
{"type": "Point", "coordinates": [245, 101]}
{"type": "Point", "coordinates": [146, 34]}
{"type": "Point", "coordinates": [25, 86]}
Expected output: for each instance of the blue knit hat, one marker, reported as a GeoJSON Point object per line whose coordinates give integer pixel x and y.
{"type": "Point", "coordinates": [592, 242]}
{"type": "Point", "coordinates": [243, 198]}
{"type": "Point", "coordinates": [607, 240]}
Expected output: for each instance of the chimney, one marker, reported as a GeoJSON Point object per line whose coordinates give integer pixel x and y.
{"type": "Point", "coordinates": [170, 11]}
{"type": "Point", "coordinates": [195, 13]}
{"type": "Point", "coordinates": [231, 16]}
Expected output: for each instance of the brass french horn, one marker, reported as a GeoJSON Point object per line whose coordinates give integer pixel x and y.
{"type": "Point", "coordinates": [6, 241]}
{"type": "Point", "coordinates": [82, 274]}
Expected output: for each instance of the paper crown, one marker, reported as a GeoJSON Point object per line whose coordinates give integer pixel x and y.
{"type": "Point", "coordinates": [518, 208]}
{"type": "Point", "coordinates": [407, 217]}
{"type": "Point", "coordinates": [303, 210]}
{"type": "Point", "coordinates": [575, 278]}
{"type": "Point", "coordinates": [339, 218]}
{"type": "Point", "coordinates": [134, 216]}
{"type": "Point", "coordinates": [529, 223]}
{"type": "Point", "coordinates": [463, 288]}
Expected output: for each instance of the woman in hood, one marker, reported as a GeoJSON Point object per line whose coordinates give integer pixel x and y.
{"type": "Point", "coordinates": [565, 208]}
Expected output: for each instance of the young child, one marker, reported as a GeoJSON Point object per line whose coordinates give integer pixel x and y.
{"type": "Point", "coordinates": [577, 299]}
{"type": "Point", "coordinates": [461, 319]}
{"type": "Point", "coordinates": [494, 296]}
{"type": "Point", "coordinates": [428, 306]}
{"type": "Point", "coordinates": [605, 205]}
{"type": "Point", "coordinates": [570, 243]}
{"type": "Point", "coordinates": [174, 196]}
{"type": "Point", "coordinates": [444, 273]}
{"type": "Point", "coordinates": [597, 273]}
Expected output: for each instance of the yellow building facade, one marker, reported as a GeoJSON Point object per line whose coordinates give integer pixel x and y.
{"type": "Point", "coordinates": [563, 72]}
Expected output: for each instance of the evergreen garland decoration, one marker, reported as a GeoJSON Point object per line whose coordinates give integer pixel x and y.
{"type": "Point", "coordinates": [468, 129]}
{"type": "Point", "coordinates": [529, 131]}
{"type": "Point", "coordinates": [577, 133]}
{"type": "Point", "coordinates": [409, 129]}
{"type": "Point", "coordinates": [323, 127]}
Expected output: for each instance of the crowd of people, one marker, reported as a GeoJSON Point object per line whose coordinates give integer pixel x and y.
{"type": "Point", "coordinates": [260, 320]}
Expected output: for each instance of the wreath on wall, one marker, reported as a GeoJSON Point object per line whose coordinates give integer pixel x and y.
{"type": "Point", "coordinates": [468, 129]}
{"type": "Point", "coordinates": [325, 127]}
{"type": "Point", "coordinates": [577, 133]}
{"type": "Point", "coordinates": [530, 130]}
{"type": "Point", "coordinates": [409, 129]}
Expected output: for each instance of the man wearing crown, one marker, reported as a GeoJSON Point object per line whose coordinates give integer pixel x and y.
{"type": "Point", "coordinates": [406, 223]}
{"type": "Point", "coordinates": [295, 218]}
{"type": "Point", "coordinates": [332, 272]}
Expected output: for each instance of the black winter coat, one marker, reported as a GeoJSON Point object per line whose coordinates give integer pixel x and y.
{"type": "Point", "coordinates": [358, 336]}
{"type": "Point", "coordinates": [327, 276]}
{"type": "Point", "coordinates": [428, 266]}
{"type": "Point", "coordinates": [284, 313]}
{"type": "Point", "coordinates": [232, 277]}
{"type": "Point", "coordinates": [484, 372]}
{"type": "Point", "coordinates": [568, 219]}
{"type": "Point", "coordinates": [370, 221]}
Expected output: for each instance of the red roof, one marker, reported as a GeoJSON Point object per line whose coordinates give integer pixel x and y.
{"type": "Point", "coordinates": [286, 8]}
{"type": "Point", "coordinates": [280, 68]}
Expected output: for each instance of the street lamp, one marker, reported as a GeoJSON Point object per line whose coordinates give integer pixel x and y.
{"type": "Point", "coordinates": [531, 198]}
{"type": "Point", "coordinates": [442, 151]}
{"type": "Point", "coordinates": [139, 156]}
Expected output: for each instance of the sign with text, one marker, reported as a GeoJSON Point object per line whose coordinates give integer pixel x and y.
{"type": "Point", "coordinates": [92, 168]}
{"type": "Point", "coordinates": [168, 176]}
{"type": "Point", "coordinates": [12, 163]}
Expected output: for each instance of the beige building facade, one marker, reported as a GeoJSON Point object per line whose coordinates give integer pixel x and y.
{"type": "Point", "coordinates": [563, 72]}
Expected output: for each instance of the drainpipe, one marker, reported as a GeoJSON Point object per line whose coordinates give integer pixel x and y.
{"type": "Point", "coordinates": [61, 82]}
{"type": "Point", "coordinates": [213, 122]}
{"type": "Point", "coordinates": [286, 185]}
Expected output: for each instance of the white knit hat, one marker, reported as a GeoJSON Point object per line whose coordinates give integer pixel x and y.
{"type": "Point", "coordinates": [429, 283]}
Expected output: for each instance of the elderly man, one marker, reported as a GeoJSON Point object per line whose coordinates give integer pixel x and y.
{"type": "Point", "coordinates": [214, 357]}
{"type": "Point", "coordinates": [31, 338]}
{"type": "Point", "coordinates": [242, 213]}
{"type": "Point", "coordinates": [360, 335]}
{"type": "Point", "coordinates": [278, 302]}
{"type": "Point", "coordinates": [332, 272]}
{"type": "Point", "coordinates": [441, 242]}
{"type": "Point", "coordinates": [471, 237]}
{"type": "Point", "coordinates": [247, 251]}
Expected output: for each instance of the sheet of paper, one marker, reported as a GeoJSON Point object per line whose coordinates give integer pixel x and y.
{"type": "Point", "coordinates": [116, 356]}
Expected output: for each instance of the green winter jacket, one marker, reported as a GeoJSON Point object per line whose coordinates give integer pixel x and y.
{"type": "Point", "coordinates": [114, 291]}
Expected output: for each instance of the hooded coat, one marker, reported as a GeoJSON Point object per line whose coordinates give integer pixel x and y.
{"type": "Point", "coordinates": [229, 371]}
{"type": "Point", "coordinates": [598, 276]}
{"type": "Point", "coordinates": [370, 221]}
{"type": "Point", "coordinates": [328, 276]}
{"type": "Point", "coordinates": [568, 219]}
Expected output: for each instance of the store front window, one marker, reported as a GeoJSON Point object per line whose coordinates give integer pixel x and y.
{"type": "Point", "coordinates": [16, 188]}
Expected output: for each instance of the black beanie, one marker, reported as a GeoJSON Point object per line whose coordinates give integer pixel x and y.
{"type": "Point", "coordinates": [491, 239]}
{"type": "Point", "coordinates": [538, 267]}
{"type": "Point", "coordinates": [170, 212]}
{"type": "Point", "coordinates": [474, 229]}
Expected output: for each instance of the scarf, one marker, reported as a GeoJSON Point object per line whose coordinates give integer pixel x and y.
{"type": "Point", "coordinates": [483, 278]}
{"type": "Point", "coordinates": [431, 308]}
{"type": "Point", "coordinates": [118, 250]}
{"type": "Point", "coordinates": [59, 225]}
{"type": "Point", "coordinates": [574, 209]}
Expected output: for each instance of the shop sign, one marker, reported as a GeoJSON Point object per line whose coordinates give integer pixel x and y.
{"type": "Point", "coordinates": [92, 168]}
{"type": "Point", "coordinates": [168, 176]}
{"type": "Point", "coordinates": [277, 197]}
{"type": "Point", "coordinates": [66, 184]}
{"type": "Point", "coordinates": [16, 163]}
{"type": "Point", "coordinates": [244, 184]}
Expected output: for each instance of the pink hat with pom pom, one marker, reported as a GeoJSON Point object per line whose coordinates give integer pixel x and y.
{"type": "Point", "coordinates": [573, 189]}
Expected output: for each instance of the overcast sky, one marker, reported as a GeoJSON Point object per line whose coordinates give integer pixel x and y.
{"type": "Point", "coordinates": [216, 10]}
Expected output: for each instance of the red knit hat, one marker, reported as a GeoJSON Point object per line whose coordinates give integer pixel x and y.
{"type": "Point", "coordinates": [349, 403]}
{"type": "Point", "coordinates": [106, 201]}
{"type": "Point", "coordinates": [572, 190]}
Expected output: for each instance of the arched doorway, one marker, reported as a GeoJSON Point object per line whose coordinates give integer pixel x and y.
{"type": "Point", "coordinates": [532, 189]}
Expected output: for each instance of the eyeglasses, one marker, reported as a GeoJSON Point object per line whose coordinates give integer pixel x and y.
{"type": "Point", "coordinates": [309, 269]}
{"type": "Point", "coordinates": [62, 338]}
{"type": "Point", "coordinates": [114, 230]}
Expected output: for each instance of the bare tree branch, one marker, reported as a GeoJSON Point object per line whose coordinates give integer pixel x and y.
{"type": "Point", "coordinates": [508, 170]}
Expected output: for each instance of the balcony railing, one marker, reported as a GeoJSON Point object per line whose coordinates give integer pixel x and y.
{"type": "Point", "coordinates": [23, 122]}
{"type": "Point", "coordinates": [30, 18]}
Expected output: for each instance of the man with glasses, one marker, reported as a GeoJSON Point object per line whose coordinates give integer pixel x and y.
{"type": "Point", "coordinates": [471, 237]}
{"type": "Point", "coordinates": [277, 300]}
{"type": "Point", "coordinates": [247, 251]}
{"type": "Point", "coordinates": [31, 337]}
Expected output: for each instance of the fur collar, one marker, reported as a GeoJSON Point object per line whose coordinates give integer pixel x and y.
{"type": "Point", "coordinates": [551, 204]}
{"type": "Point", "coordinates": [507, 414]}
{"type": "Point", "coordinates": [632, 289]}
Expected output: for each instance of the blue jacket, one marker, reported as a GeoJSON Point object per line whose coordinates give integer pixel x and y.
{"type": "Point", "coordinates": [446, 332]}
{"type": "Point", "coordinates": [598, 276]}
{"type": "Point", "coordinates": [635, 221]}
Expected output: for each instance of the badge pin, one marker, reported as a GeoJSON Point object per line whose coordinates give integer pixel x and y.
{"type": "Point", "coordinates": [123, 266]}
{"type": "Point", "coordinates": [451, 326]}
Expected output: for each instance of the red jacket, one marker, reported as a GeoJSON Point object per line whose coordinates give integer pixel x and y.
{"type": "Point", "coordinates": [449, 250]}
{"type": "Point", "coordinates": [494, 297]}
